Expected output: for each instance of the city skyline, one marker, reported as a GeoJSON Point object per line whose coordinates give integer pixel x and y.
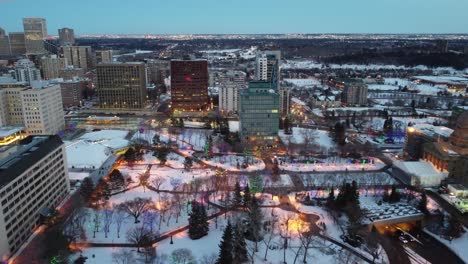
{"type": "Point", "coordinates": [241, 17]}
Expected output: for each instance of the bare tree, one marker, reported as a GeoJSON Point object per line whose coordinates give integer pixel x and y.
{"type": "Point", "coordinates": [108, 214]}
{"type": "Point", "coordinates": [119, 217]}
{"type": "Point", "coordinates": [136, 207]}
{"type": "Point", "coordinates": [96, 222]}
{"type": "Point", "coordinates": [309, 136]}
{"type": "Point", "coordinates": [208, 259]}
{"type": "Point", "coordinates": [163, 207]}
{"type": "Point", "coordinates": [140, 236]}
{"type": "Point", "coordinates": [183, 256]}
{"type": "Point", "coordinates": [269, 237]}
{"type": "Point", "coordinates": [123, 257]}
{"type": "Point", "coordinates": [149, 219]}
{"type": "Point", "coordinates": [158, 181]}
{"type": "Point", "coordinates": [143, 179]}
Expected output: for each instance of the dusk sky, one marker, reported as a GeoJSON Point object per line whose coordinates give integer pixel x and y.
{"type": "Point", "coordinates": [240, 16]}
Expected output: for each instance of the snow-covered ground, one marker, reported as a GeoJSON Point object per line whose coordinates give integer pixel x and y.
{"type": "Point", "coordinates": [303, 82]}
{"type": "Point", "coordinates": [233, 126]}
{"type": "Point", "coordinates": [175, 177]}
{"type": "Point", "coordinates": [458, 245]}
{"type": "Point", "coordinates": [313, 136]}
{"type": "Point", "coordinates": [362, 179]}
{"type": "Point", "coordinates": [231, 162]}
{"type": "Point", "coordinates": [331, 164]}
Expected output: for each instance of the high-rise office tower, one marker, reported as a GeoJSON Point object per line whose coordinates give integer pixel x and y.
{"type": "Point", "coordinates": [121, 85]}
{"type": "Point", "coordinates": [259, 115]}
{"type": "Point", "coordinates": [17, 43]}
{"type": "Point", "coordinates": [79, 56]}
{"type": "Point", "coordinates": [26, 71]}
{"type": "Point", "coordinates": [103, 56]}
{"type": "Point", "coordinates": [4, 43]}
{"type": "Point", "coordinates": [268, 62]}
{"type": "Point", "coordinates": [35, 30]}
{"type": "Point", "coordinates": [66, 36]}
{"type": "Point", "coordinates": [51, 66]}
{"type": "Point", "coordinates": [33, 177]}
{"type": "Point", "coordinates": [189, 85]}
{"type": "Point", "coordinates": [231, 83]}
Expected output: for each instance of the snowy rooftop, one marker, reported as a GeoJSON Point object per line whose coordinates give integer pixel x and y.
{"type": "Point", "coordinates": [432, 130]}
{"type": "Point", "coordinates": [443, 79]}
{"type": "Point", "coordinates": [420, 168]}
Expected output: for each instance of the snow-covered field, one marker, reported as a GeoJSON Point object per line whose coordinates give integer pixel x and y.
{"type": "Point", "coordinates": [303, 82]}
{"type": "Point", "coordinates": [175, 177]}
{"type": "Point", "coordinates": [315, 136]}
{"type": "Point", "coordinates": [362, 179]}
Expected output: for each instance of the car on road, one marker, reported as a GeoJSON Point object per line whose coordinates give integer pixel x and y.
{"type": "Point", "coordinates": [403, 239]}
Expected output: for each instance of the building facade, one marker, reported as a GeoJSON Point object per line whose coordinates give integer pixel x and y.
{"type": "Point", "coordinates": [355, 92]}
{"type": "Point", "coordinates": [231, 83]}
{"type": "Point", "coordinates": [267, 66]}
{"type": "Point", "coordinates": [189, 85]}
{"type": "Point", "coordinates": [51, 66]}
{"type": "Point", "coordinates": [17, 43]}
{"type": "Point", "coordinates": [79, 56]}
{"type": "Point", "coordinates": [26, 71]}
{"type": "Point", "coordinates": [4, 43]}
{"type": "Point", "coordinates": [121, 85]}
{"type": "Point", "coordinates": [158, 70]}
{"type": "Point", "coordinates": [33, 177]}
{"type": "Point", "coordinates": [72, 92]}
{"type": "Point", "coordinates": [103, 56]}
{"type": "Point", "coordinates": [70, 72]}
{"type": "Point", "coordinates": [35, 31]}
{"type": "Point", "coordinates": [259, 114]}
{"type": "Point", "coordinates": [66, 36]}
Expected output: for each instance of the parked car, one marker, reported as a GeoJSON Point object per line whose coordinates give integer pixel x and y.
{"type": "Point", "coordinates": [403, 239]}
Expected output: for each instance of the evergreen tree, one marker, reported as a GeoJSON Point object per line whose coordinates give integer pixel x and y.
{"type": "Point", "coordinates": [188, 163]}
{"type": "Point", "coordinates": [394, 195]}
{"type": "Point", "coordinates": [86, 189]}
{"type": "Point", "coordinates": [103, 189]}
{"type": "Point", "coordinates": [254, 229]}
{"type": "Point", "coordinates": [225, 247]}
{"type": "Point", "coordinates": [423, 203]}
{"type": "Point", "coordinates": [198, 221]}
{"type": "Point", "coordinates": [331, 198]}
{"type": "Point", "coordinates": [239, 245]}
{"type": "Point", "coordinates": [116, 180]}
{"type": "Point", "coordinates": [130, 155]}
{"type": "Point", "coordinates": [161, 155]}
{"type": "Point", "coordinates": [247, 196]}
{"type": "Point", "coordinates": [237, 195]}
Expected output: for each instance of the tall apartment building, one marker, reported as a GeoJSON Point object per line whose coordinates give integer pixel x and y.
{"type": "Point", "coordinates": [103, 56]}
{"type": "Point", "coordinates": [38, 109]}
{"type": "Point", "coordinates": [66, 36]}
{"type": "Point", "coordinates": [268, 66]}
{"type": "Point", "coordinates": [231, 83]}
{"type": "Point", "coordinates": [285, 100]}
{"type": "Point", "coordinates": [33, 177]}
{"type": "Point", "coordinates": [35, 30]}
{"type": "Point", "coordinates": [121, 85]}
{"type": "Point", "coordinates": [79, 56]}
{"type": "Point", "coordinates": [72, 91]}
{"type": "Point", "coordinates": [51, 66]}
{"type": "Point", "coordinates": [158, 70]}
{"type": "Point", "coordinates": [17, 43]}
{"type": "Point", "coordinates": [189, 85]}
{"type": "Point", "coordinates": [259, 114]}
{"type": "Point", "coordinates": [355, 92]}
{"type": "Point", "coordinates": [4, 43]}
{"type": "Point", "coordinates": [26, 71]}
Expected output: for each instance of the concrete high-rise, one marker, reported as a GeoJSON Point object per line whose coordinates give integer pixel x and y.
{"type": "Point", "coordinates": [26, 71]}
{"type": "Point", "coordinates": [51, 66]}
{"type": "Point", "coordinates": [35, 31]}
{"type": "Point", "coordinates": [103, 56]}
{"type": "Point", "coordinates": [4, 43]}
{"type": "Point", "coordinates": [17, 43]}
{"type": "Point", "coordinates": [355, 92]}
{"type": "Point", "coordinates": [38, 108]}
{"type": "Point", "coordinates": [189, 85]}
{"type": "Point", "coordinates": [79, 56]}
{"type": "Point", "coordinates": [231, 83]}
{"type": "Point", "coordinates": [268, 63]}
{"type": "Point", "coordinates": [259, 114]}
{"type": "Point", "coordinates": [33, 178]}
{"type": "Point", "coordinates": [66, 36]}
{"type": "Point", "coordinates": [121, 85]}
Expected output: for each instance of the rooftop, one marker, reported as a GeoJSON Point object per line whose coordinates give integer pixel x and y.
{"type": "Point", "coordinates": [15, 159]}
{"type": "Point", "coordinates": [9, 130]}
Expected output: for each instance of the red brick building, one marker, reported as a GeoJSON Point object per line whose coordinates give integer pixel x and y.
{"type": "Point", "coordinates": [189, 85]}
